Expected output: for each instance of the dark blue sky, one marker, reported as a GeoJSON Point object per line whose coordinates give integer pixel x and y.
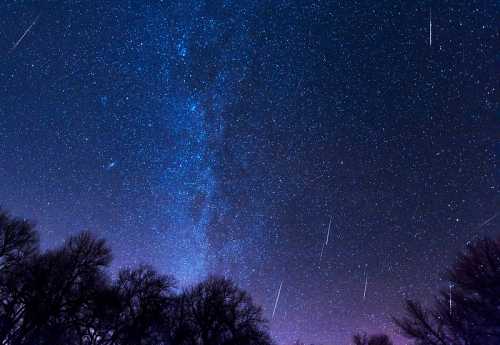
{"type": "Point", "coordinates": [222, 137]}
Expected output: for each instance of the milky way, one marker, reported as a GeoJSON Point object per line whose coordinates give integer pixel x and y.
{"type": "Point", "coordinates": [330, 157]}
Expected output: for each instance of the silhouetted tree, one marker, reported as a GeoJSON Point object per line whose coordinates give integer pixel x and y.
{"type": "Point", "coordinates": [468, 313]}
{"type": "Point", "coordinates": [145, 305]}
{"type": "Point", "coordinates": [377, 339]}
{"type": "Point", "coordinates": [217, 312]}
{"type": "Point", "coordinates": [64, 296]}
{"type": "Point", "coordinates": [18, 240]}
{"type": "Point", "coordinates": [51, 292]}
{"type": "Point", "coordinates": [18, 244]}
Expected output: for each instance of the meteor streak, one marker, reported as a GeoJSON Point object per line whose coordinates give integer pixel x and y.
{"type": "Point", "coordinates": [488, 220]}
{"type": "Point", "coordinates": [366, 282]}
{"type": "Point", "coordinates": [430, 28]}
{"type": "Point", "coordinates": [277, 300]}
{"type": "Point", "coordinates": [24, 34]}
{"type": "Point", "coordinates": [326, 241]}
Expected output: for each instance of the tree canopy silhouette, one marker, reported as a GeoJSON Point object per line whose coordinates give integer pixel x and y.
{"type": "Point", "coordinates": [217, 312]}
{"type": "Point", "coordinates": [65, 296]}
{"type": "Point", "coordinates": [49, 294]}
{"type": "Point", "coordinates": [466, 313]}
{"type": "Point", "coordinates": [18, 240]}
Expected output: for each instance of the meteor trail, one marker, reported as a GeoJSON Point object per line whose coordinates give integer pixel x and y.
{"type": "Point", "coordinates": [488, 220]}
{"type": "Point", "coordinates": [366, 282]}
{"type": "Point", "coordinates": [328, 233]}
{"type": "Point", "coordinates": [430, 28]}
{"type": "Point", "coordinates": [24, 34]}
{"type": "Point", "coordinates": [277, 299]}
{"type": "Point", "coordinates": [326, 241]}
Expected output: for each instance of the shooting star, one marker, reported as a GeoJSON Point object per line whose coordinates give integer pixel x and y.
{"type": "Point", "coordinates": [277, 300]}
{"type": "Point", "coordinates": [326, 241]}
{"type": "Point", "coordinates": [487, 221]}
{"type": "Point", "coordinates": [366, 282]}
{"type": "Point", "coordinates": [430, 28]}
{"type": "Point", "coordinates": [24, 35]}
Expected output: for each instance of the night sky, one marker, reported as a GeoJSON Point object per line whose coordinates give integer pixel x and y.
{"type": "Point", "coordinates": [235, 137]}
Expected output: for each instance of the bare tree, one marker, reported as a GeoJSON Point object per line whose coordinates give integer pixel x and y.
{"type": "Point", "coordinates": [217, 312]}
{"type": "Point", "coordinates": [18, 240]}
{"type": "Point", "coordinates": [64, 296]}
{"type": "Point", "coordinates": [49, 294]}
{"type": "Point", "coordinates": [18, 244]}
{"type": "Point", "coordinates": [145, 303]}
{"type": "Point", "coordinates": [467, 312]}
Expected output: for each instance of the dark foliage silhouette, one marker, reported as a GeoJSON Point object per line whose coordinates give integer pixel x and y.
{"type": "Point", "coordinates": [18, 245]}
{"type": "Point", "coordinates": [377, 339]}
{"type": "Point", "coordinates": [473, 317]}
{"type": "Point", "coordinates": [64, 296]}
{"type": "Point", "coordinates": [18, 240]}
{"type": "Point", "coordinates": [50, 293]}
{"type": "Point", "coordinates": [145, 305]}
{"type": "Point", "coordinates": [217, 312]}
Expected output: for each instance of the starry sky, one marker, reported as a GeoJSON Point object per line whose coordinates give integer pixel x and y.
{"type": "Point", "coordinates": [235, 137]}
